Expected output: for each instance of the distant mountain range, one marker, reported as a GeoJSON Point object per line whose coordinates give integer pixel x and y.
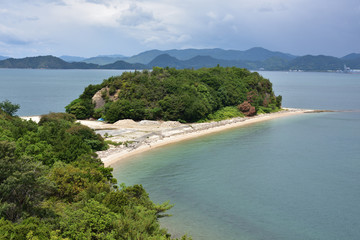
{"type": "Point", "coordinates": [254, 59]}
{"type": "Point", "coordinates": [51, 62]}
{"type": "Point", "coordinates": [253, 54]}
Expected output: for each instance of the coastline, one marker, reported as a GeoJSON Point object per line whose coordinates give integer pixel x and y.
{"type": "Point", "coordinates": [119, 155]}
{"type": "Point", "coordinates": [139, 137]}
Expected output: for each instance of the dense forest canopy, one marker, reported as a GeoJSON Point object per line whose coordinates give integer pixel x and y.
{"type": "Point", "coordinates": [52, 186]}
{"type": "Point", "coordinates": [185, 95]}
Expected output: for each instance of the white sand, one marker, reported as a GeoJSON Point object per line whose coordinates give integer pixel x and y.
{"type": "Point", "coordinates": [121, 154]}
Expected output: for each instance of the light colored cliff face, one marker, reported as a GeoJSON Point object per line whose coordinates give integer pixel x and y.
{"type": "Point", "coordinates": [98, 98]}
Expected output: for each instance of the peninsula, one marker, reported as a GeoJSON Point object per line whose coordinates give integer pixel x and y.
{"type": "Point", "coordinates": [147, 109]}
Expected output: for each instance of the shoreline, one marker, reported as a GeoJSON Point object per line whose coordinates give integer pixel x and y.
{"type": "Point", "coordinates": [121, 154]}
{"type": "Point", "coordinates": [139, 137]}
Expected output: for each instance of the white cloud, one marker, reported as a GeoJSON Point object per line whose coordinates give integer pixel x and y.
{"type": "Point", "coordinates": [53, 26]}
{"type": "Point", "coordinates": [228, 18]}
{"type": "Point", "coordinates": [135, 16]}
{"type": "Point", "coordinates": [212, 15]}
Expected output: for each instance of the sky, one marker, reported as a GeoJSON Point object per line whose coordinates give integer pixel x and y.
{"type": "Point", "coordinates": [89, 28]}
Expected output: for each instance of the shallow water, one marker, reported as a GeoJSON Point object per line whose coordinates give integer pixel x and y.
{"type": "Point", "coordinates": [290, 178]}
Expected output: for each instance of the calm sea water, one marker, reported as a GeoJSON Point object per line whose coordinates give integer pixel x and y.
{"type": "Point", "coordinates": [285, 179]}
{"type": "Point", "coordinates": [41, 91]}
{"type": "Point", "coordinates": [291, 178]}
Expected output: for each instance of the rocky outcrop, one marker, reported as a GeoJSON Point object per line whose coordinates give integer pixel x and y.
{"type": "Point", "coordinates": [247, 109]}
{"type": "Point", "coordinates": [98, 100]}
{"type": "Point", "coordinates": [100, 97]}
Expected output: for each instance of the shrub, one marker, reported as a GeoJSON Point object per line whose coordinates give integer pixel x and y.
{"type": "Point", "coordinates": [225, 113]}
{"type": "Point", "coordinates": [81, 108]}
{"type": "Point", "coordinates": [55, 117]}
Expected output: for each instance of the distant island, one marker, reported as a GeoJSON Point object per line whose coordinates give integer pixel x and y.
{"type": "Point", "coordinates": [254, 59]}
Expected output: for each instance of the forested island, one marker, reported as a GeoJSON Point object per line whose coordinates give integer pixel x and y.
{"type": "Point", "coordinates": [185, 95]}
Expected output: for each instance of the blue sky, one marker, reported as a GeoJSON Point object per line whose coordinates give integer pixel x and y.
{"type": "Point", "coordinates": [93, 27]}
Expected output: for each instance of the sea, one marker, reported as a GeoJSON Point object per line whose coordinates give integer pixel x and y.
{"type": "Point", "coordinates": [41, 91]}
{"type": "Point", "coordinates": [290, 178]}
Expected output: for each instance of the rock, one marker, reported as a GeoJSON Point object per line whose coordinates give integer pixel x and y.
{"type": "Point", "coordinates": [247, 109]}
{"type": "Point", "coordinates": [98, 100]}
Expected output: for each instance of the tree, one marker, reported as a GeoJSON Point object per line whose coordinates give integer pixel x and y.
{"type": "Point", "coordinates": [9, 107]}
{"type": "Point", "coordinates": [278, 101]}
{"type": "Point", "coordinates": [23, 184]}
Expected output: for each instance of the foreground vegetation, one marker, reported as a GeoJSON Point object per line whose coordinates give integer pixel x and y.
{"type": "Point", "coordinates": [186, 95]}
{"type": "Point", "coordinates": [52, 186]}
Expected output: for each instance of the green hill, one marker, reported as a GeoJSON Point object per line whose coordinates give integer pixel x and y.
{"type": "Point", "coordinates": [46, 62]}
{"type": "Point", "coordinates": [166, 93]}
{"type": "Point", "coordinates": [253, 54]}
{"type": "Point", "coordinates": [351, 56]}
{"type": "Point", "coordinates": [352, 60]}
{"type": "Point", "coordinates": [316, 63]}
{"type": "Point", "coordinates": [165, 60]}
{"type": "Point", "coordinates": [144, 57]}
{"type": "Point", "coordinates": [123, 65]}
{"type": "Point", "coordinates": [102, 60]}
{"type": "Point", "coordinates": [67, 58]}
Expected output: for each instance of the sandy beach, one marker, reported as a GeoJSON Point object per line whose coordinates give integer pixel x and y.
{"type": "Point", "coordinates": [149, 135]}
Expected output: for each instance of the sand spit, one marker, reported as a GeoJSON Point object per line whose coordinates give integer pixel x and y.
{"type": "Point", "coordinates": [137, 137]}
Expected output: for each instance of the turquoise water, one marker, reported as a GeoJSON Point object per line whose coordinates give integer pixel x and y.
{"type": "Point", "coordinates": [40, 91]}
{"type": "Point", "coordinates": [291, 178]}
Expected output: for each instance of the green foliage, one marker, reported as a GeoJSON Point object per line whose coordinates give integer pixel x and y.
{"type": "Point", "coordinates": [9, 107]}
{"type": "Point", "coordinates": [278, 101]}
{"type": "Point", "coordinates": [52, 186]}
{"type": "Point", "coordinates": [95, 141]}
{"type": "Point", "coordinates": [99, 113]}
{"type": "Point", "coordinates": [169, 94]}
{"type": "Point", "coordinates": [56, 117]}
{"type": "Point", "coordinates": [30, 228]}
{"type": "Point", "coordinates": [133, 196]}
{"type": "Point", "coordinates": [81, 108]}
{"type": "Point", "coordinates": [125, 109]}
{"type": "Point", "coordinates": [22, 184]}
{"type": "Point", "coordinates": [225, 113]}
{"type": "Point", "coordinates": [88, 220]}
{"type": "Point", "coordinates": [89, 92]}
{"type": "Point", "coordinates": [74, 183]}
{"type": "Point", "coordinates": [316, 63]}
